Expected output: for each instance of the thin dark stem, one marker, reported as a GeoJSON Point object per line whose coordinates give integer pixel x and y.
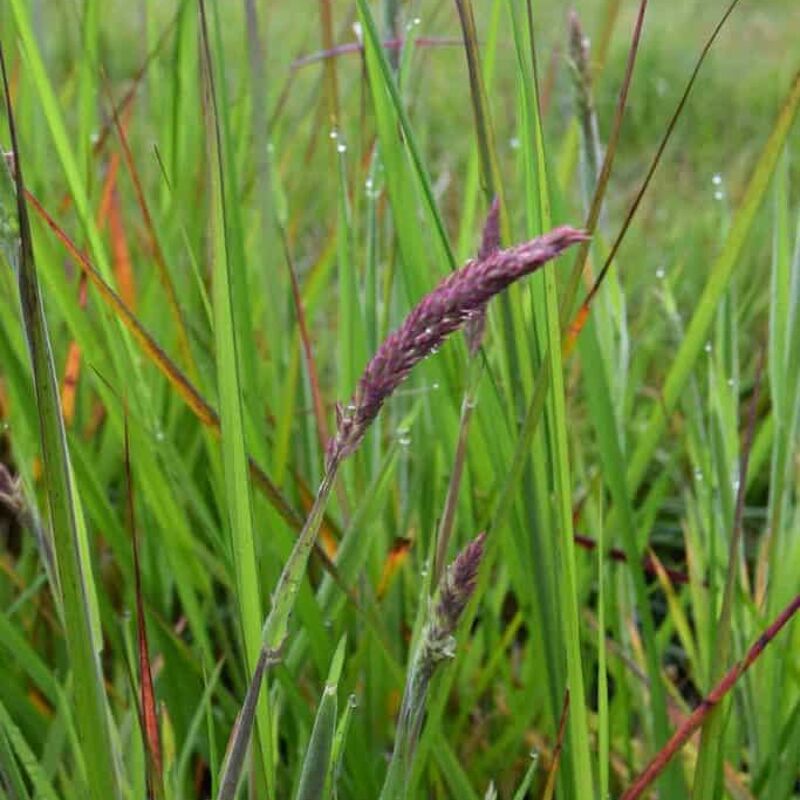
{"type": "Point", "coordinates": [608, 161]}
{"type": "Point", "coordinates": [657, 158]}
{"type": "Point", "coordinates": [550, 786]}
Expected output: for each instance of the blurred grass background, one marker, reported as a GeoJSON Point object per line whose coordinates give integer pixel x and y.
{"type": "Point", "coordinates": [361, 260]}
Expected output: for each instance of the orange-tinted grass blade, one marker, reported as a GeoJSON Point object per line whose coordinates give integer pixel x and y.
{"type": "Point", "coordinates": [72, 367]}
{"type": "Point", "coordinates": [198, 405]}
{"type": "Point", "coordinates": [397, 556]}
{"type": "Point", "coordinates": [69, 387]}
{"type": "Point", "coordinates": [329, 543]}
{"type": "Point", "coordinates": [550, 786]}
{"type": "Point", "coordinates": [121, 256]}
{"type": "Point", "coordinates": [109, 185]}
{"type": "Point", "coordinates": [96, 419]}
{"type": "Point", "coordinates": [190, 395]}
{"type": "Point", "coordinates": [155, 246]}
{"type": "Point", "coordinates": [184, 387]}
{"type": "Point", "coordinates": [574, 329]}
{"type": "Point", "coordinates": [72, 364]}
{"type": "Point", "coordinates": [148, 713]}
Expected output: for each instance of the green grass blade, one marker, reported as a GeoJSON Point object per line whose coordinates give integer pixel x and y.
{"type": "Point", "coordinates": [318, 762]}
{"type": "Point", "coordinates": [719, 277]}
{"type": "Point", "coordinates": [76, 588]}
{"type": "Point", "coordinates": [548, 331]}
{"type": "Point", "coordinates": [234, 457]}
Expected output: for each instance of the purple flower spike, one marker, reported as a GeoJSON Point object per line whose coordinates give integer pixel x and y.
{"type": "Point", "coordinates": [459, 298]}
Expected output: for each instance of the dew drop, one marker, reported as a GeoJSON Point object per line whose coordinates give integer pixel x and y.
{"type": "Point", "coordinates": [719, 194]}
{"type": "Point", "coordinates": [513, 143]}
{"type": "Point", "coordinates": [731, 382]}
{"type": "Point", "coordinates": [334, 134]}
{"type": "Point", "coordinates": [717, 179]}
{"type": "Point", "coordinates": [708, 347]}
{"type": "Point", "coordinates": [159, 435]}
{"type": "Point", "coordinates": [341, 147]}
{"type": "Point", "coordinates": [698, 474]}
{"type": "Point", "coordinates": [403, 437]}
{"type": "Point", "coordinates": [660, 274]}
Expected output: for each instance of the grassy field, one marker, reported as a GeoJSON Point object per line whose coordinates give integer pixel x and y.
{"type": "Point", "coordinates": [224, 543]}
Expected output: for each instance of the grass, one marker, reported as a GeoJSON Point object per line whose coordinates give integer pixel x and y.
{"type": "Point", "coordinates": [208, 271]}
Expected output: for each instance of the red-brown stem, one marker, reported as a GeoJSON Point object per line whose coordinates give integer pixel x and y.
{"type": "Point", "coordinates": [148, 715]}
{"type": "Point", "coordinates": [695, 719]}
{"type": "Point", "coordinates": [616, 554]}
{"type": "Point", "coordinates": [562, 729]}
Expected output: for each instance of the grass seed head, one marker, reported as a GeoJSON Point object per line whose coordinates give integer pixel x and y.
{"type": "Point", "coordinates": [460, 297]}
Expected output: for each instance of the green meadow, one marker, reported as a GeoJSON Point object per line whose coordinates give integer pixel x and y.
{"type": "Point", "coordinates": [228, 502]}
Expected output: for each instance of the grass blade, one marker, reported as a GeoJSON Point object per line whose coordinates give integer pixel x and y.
{"type": "Point", "coordinates": [76, 588]}
{"type": "Point", "coordinates": [318, 763]}
{"type": "Point", "coordinates": [229, 387]}
{"type": "Point", "coordinates": [718, 279]}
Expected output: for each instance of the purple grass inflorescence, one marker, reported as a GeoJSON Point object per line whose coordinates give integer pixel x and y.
{"type": "Point", "coordinates": [459, 298]}
{"type": "Point", "coordinates": [455, 590]}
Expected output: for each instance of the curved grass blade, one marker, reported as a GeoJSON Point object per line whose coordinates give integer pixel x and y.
{"type": "Point", "coordinates": [318, 763]}
{"type": "Point", "coordinates": [76, 587]}
{"type": "Point", "coordinates": [13, 739]}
